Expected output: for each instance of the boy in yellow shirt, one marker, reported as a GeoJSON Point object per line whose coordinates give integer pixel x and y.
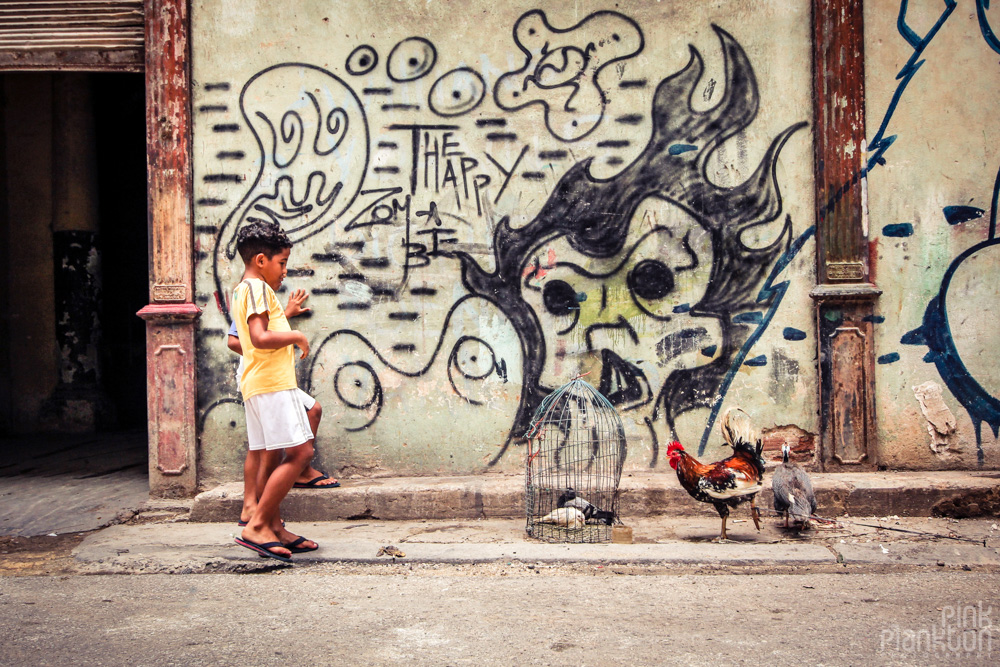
{"type": "Point", "coordinates": [276, 418]}
{"type": "Point", "coordinates": [255, 470]}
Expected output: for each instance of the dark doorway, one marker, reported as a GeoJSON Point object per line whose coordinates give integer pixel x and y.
{"type": "Point", "coordinates": [120, 117]}
{"type": "Point", "coordinates": [73, 273]}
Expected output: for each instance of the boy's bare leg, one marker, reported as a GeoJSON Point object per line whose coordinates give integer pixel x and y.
{"type": "Point", "coordinates": [315, 414]}
{"type": "Point", "coordinates": [269, 461]}
{"type": "Point", "coordinates": [286, 536]}
{"type": "Point", "coordinates": [251, 476]}
{"type": "Point", "coordinates": [262, 526]}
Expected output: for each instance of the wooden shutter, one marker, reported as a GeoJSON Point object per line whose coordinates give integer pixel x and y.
{"type": "Point", "coordinates": [71, 34]}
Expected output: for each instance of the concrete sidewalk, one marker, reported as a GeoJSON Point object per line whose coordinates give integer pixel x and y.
{"type": "Point", "coordinates": [480, 521]}
{"type": "Point", "coordinates": [671, 542]}
{"type": "Point", "coordinates": [948, 493]}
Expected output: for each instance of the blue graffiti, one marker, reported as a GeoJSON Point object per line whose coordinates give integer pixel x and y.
{"type": "Point", "coordinates": [984, 25]}
{"type": "Point", "coordinates": [956, 215]}
{"type": "Point", "coordinates": [877, 148]}
{"type": "Point", "coordinates": [677, 149]}
{"type": "Point", "coordinates": [935, 333]}
{"type": "Point", "coordinates": [791, 333]}
{"type": "Point", "coordinates": [770, 291]}
{"type": "Point", "coordinates": [880, 143]}
{"type": "Point", "coordinates": [900, 230]}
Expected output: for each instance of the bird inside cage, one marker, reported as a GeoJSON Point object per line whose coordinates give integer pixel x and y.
{"type": "Point", "coordinates": [591, 512]}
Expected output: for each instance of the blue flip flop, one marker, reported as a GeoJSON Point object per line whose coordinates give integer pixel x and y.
{"type": "Point", "coordinates": [264, 549]}
{"type": "Point", "coordinates": [296, 549]}
{"type": "Point", "coordinates": [315, 483]}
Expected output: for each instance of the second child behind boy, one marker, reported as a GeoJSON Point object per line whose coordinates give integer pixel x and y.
{"type": "Point", "coordinates": [276, 418]}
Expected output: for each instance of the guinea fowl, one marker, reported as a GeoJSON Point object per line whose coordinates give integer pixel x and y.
{"type": "Point", "coordinates": [730, 482]}
{"type": "Point", "coordinates": [793, 492]}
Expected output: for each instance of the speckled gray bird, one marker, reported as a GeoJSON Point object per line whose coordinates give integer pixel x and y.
{"type": "Point", "coordinates": [793, 492]}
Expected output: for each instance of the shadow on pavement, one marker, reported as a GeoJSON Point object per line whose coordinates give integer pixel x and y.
{"type": "Point", "coordinates": [63, 483]}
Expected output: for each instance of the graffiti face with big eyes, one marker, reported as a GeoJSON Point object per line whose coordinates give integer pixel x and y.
{"type": "Point", "coordinates": [626, 320]}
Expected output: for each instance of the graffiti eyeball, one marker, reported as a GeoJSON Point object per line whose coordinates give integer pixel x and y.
{"type": "Point", "coordinates": [651, 279]}
{"type": "Point", "coordinates": [362, 60]}
{"type": "Point", "coordinates": [457, 92]}
{"type": "Point", "coordinates": [472, 362]}
{"type": "Point", "coordinates": [474, 358]}
{"type": "Point", "coordinates": [531, 30]}
{"type": "Point", "coordinates": [560, 298]}
{"type": "Point", "coordinates": [411, 59]}
{"type": "Point", "coordinates": [357, 386]}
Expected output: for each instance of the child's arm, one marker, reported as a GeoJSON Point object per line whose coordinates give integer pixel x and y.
{"type": "Point", "coordinates": [233, 340]}
{"type": "Point", "coordinates": [295, 301]}
{"type": "Point", "coordinates": [273, 340]}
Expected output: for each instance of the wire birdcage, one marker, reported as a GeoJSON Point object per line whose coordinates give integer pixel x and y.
{"type": "Point", "coordinates": [576, 450]}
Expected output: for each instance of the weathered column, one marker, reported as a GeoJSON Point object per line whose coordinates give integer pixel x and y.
{"type": "Point", "coordinates": [845, 296]}
{"type": "Point", "coordinates": [78, 402]}
{"type": "Point", "coordinates": [170, 317]}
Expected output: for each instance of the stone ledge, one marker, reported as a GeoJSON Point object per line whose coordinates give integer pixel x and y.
{"type": "Point", "coordinates": [642, 494]}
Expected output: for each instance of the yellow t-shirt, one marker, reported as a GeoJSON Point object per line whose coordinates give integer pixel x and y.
{"type": "Point", "coordinates": [264, 371]}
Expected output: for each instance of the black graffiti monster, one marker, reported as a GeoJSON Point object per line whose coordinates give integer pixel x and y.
{"type": "Point", "coordinates": [593, 218]}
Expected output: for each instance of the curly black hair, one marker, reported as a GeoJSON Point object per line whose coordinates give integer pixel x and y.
{"type": "Point", "coordinates": [261, 237]}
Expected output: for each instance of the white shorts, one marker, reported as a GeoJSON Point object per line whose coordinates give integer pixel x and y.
{"type": "Point", "coordinates": [307, 401]}
{"type": "Point", "coordinates": [278, 420]}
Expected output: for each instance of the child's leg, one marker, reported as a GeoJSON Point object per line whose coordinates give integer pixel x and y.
{"type": "Point", "coordinates": [272, 457]}
{"type": "Point", "coordinates": [269, 461]}
{"type": "Point", "coordinates": [251, 475]}
{"type": "Point", "coordinates": [279, 483]}
{"type": "Point", "coordinates": [285, 536]}
{"type": "Point", "coordinates": [277, 417]}
{"type": "Point", "coordinates": [315, 414]}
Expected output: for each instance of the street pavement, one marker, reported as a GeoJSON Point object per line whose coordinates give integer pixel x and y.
{"type": "Point", "coordinates": [517, 614]}
{"type": "Point", "coordinates": [473, 588]}
{"type": "Point", "coordinates": [872, 543]}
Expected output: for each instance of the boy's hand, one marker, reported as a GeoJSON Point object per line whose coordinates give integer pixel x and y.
{"type": "Point", "coordinates": [303, 344]}
{"type": "Point", "coordinates": [295, 302]}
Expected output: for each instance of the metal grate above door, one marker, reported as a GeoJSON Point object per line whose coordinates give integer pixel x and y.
{"type": "Point", "coordinates": [71, 34]}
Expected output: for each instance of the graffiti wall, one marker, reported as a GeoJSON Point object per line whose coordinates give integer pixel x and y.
{"type": "Point", "coordinates": [932, 75]}
{"type": "Point", "coordinates": [487, 201]}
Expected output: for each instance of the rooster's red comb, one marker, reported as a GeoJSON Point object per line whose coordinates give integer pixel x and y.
{"type": "Point", "coordinates": [674, 447]}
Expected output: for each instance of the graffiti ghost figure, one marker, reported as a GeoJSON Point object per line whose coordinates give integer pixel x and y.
{"type": "Point", "coordinates": [311, 133]}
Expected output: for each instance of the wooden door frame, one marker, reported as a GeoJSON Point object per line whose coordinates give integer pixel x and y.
{"type": "Point", "coordinates": [171, 315]}
{"type": "Point", "coordinates": [845, 295]}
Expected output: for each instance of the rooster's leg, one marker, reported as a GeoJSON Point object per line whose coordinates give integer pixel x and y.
{"type": "Point", "coordinates": [754, 514]}
{"type": "Point", "coordinates": [723, 511]}
{"type": "Point", "coordinates": [786, 519]}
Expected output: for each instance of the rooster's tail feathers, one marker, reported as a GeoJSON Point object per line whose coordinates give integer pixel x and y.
{"type": "Point", "coordinates": [737, 428]}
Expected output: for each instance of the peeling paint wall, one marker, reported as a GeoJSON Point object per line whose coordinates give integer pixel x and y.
{"type": "Point", "coordinates": [932, 208]}
{"type": "Point", "coordinates": [487, 200]}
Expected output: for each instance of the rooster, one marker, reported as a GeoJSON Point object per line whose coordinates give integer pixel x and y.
{"type": "Point", "coordinates": [730, 482]}
{"type": "Point", "coordinates": [793, 492]}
